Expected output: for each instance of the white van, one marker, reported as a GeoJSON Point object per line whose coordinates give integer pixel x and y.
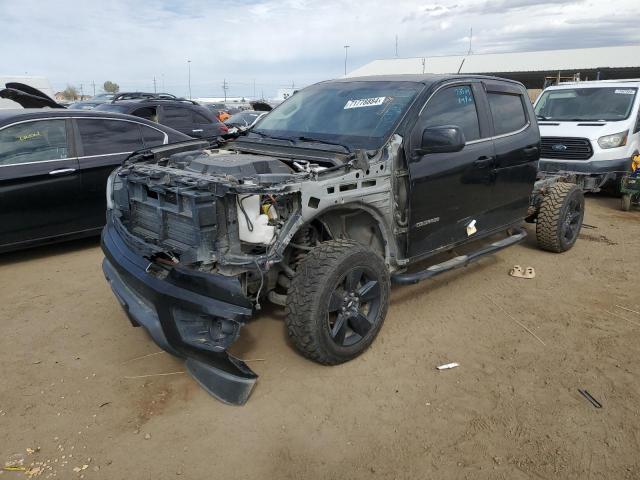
{"type": "Point", "coordinates": [590, 131]}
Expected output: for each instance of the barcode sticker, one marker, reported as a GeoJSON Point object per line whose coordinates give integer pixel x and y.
{"type": "Point", "coordinates": [625, 92]}
{"type": "Point", "coordinates": [364, 102]}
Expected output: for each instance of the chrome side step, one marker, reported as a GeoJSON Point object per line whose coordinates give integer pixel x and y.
{"type": "Point", "coordinates": [460, 261]}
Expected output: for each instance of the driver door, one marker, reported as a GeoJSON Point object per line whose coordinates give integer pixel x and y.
{"type": "Point", "coordinates": [451, 190]}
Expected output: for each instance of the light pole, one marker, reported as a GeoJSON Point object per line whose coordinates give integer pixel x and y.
{"type": "Point", "coordinates": [345, 58]}
{"type": "Point", "coordinates": [189, 64]}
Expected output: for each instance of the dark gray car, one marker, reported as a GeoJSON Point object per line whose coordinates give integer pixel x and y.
{"type": "Point", "coordinates": [183, 115]}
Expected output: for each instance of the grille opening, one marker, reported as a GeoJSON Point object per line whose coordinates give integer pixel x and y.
{"type": "Point", "coordinates": [566, 148]}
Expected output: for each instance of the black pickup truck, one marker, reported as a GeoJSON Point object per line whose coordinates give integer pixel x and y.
{"type": "Point", "coordinates": [328, 200]}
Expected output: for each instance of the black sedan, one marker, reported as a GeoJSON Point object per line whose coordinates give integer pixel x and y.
{"type": "Point", "coordinates": [54, 166]}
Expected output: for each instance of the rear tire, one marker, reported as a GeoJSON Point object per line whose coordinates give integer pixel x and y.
{"type": "Point", "coordinates": [560, 217]}
{"type": "Point", "coordinates": [625, 202]}
{"type": "Point", "coordinates": [337, 301]}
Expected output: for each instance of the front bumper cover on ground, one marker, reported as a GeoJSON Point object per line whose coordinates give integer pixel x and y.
{"type": "Point", "coordinates": [159, 304]}
{"type": "Point", "coordinates": [585, 167]}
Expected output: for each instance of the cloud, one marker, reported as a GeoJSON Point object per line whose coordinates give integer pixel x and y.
{"type": "Point", "coordinates": [276, 43]}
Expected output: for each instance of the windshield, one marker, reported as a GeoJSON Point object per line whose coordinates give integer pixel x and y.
{"type": "Point", "coordinates": [578, 104]}
{"type": "Point", "coordinates": [112, 107]}
{"type": "Point", "coordinates": [360, 114]}
{"type": "Point", "coordinates": [104, 96]}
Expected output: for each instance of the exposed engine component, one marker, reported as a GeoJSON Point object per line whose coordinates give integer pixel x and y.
{"type": "Point", "coordinates": [253, 223]}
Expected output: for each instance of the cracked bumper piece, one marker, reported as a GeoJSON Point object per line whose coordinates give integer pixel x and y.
{"type": "Point", "coordinates": [191, 315]}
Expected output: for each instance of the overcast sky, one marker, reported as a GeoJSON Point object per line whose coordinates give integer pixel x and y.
{"type": "Point", "coordinates": [280, 42]}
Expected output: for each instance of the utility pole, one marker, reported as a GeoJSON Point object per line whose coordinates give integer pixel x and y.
{"type": "Point", "coordinates": [93, 83]}
{"type": "Point", "coordinates": [470, 41]}
{"type": "Point", "coordinates": [225, 87]}
{"type": "Point", "coordinates": [396, 44]}
{"type": "Point", "coordinates": [254, 88]}
{"type": "Point", "coordinates": [189, 64]}
{"type": "Point", "coordinates": [346, 47]}
{"type": "Point", "coordinates": [81, 92]}
{"type": "Point", "coordinates": [154, 85]}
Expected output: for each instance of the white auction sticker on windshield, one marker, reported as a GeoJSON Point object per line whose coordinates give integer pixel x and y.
{"type": "Point", "coordinates": [364, 102]}
{"type": "Point", "coordinates": [625, 92]}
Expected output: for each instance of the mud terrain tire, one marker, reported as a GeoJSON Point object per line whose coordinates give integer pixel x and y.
{"type": "Point", "coordinates": [560, 217]}
{"type": "Point", "coordinates": [337, 301]}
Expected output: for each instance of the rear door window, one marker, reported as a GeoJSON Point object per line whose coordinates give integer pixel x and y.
{"type": "Point", "coordinates": [37, 141]}
{"type": "Point", "coordinates": [507, 111]}
{"type": "Point", "coordinates": [103, 137]}
{"type": "Point", "coordinates": [453, 106]}
{"type": "Point", "coordinates": [149, 113]}
{"type": "Point", "coordinates": [177, 117]}
{"type": "Point", "coordinates": [200, 119]}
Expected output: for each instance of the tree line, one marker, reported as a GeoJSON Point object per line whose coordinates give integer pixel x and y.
{"type": "Point", "coordinates": [72, 92]}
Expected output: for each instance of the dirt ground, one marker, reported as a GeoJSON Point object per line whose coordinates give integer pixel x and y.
{"type": "Point", "coordinates": [71, 388]}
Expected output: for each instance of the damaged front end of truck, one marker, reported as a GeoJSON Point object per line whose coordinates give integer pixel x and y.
{"type": "Point", "coordinates": [197, 237]}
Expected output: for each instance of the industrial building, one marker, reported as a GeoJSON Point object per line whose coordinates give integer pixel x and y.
{"type": "Point", "coordinates": [534, 69]}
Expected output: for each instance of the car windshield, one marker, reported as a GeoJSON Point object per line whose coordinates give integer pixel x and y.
{"type": "Point", "coordinates": [113, 107]}
{"type": "Point", "coordinates": [579, 104]}
{"type": "Point", "coordinates": [104, 96]}
{"type": "Point", "coordinates": [358, 114]}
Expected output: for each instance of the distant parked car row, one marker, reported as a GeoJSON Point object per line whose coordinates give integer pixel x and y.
{"type": "Point", "coordinates": [93, 102]}
{"type": "Point", "coordinates": [185, 116]}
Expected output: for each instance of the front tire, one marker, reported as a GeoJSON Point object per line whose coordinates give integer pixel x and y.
{"type": "Point", "coordinates": [560, 217]}
{"type": "Point", "coordinates": [337, 301]}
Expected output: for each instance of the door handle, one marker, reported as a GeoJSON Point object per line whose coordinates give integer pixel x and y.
{"type": "Point", "coordinates": [532, 150]}
{"type": "Point", "coordinates": [197, 130]}
{"type": "Point", "coordinates": [62, 171]}
{"type": "Point", "coordinates": [483, 162]}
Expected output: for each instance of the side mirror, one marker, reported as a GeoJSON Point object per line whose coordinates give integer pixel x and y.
{"type": "Point", "coordinates": [443, 139]}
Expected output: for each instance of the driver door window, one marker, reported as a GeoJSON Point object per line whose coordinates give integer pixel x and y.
{"type": "Point", "coordinates": [454, 106]}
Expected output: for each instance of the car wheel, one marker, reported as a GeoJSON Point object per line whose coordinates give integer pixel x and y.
{"type": "Point", "coordinates": [625, 202]}
{"type": "Point", "coordinates": [560, 217]}
{"type": "Point", "coordinates": [337, 301]}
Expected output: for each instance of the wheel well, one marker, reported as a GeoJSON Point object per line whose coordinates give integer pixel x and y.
{"type": "Point", "coordinates": [354, 224]}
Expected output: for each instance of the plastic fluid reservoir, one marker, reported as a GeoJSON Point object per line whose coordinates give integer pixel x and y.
{"type": "Point", "coordinates": [254, 227]}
